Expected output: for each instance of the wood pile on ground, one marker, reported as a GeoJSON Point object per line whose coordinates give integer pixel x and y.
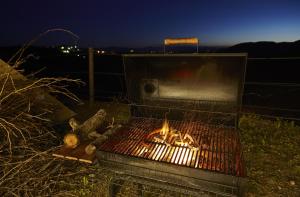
{"type": "Point", "coordinates": [80, 143]}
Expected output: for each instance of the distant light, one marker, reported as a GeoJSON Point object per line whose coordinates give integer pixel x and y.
{"type": "Point", "coordinates": [66, 51]}
{"type": "Point", "coordinates": [62, 47]}
{"type": "Point", "coordinates": [69, 48]}
{"type": "Point", "coordinates": [98, 52]}
{"type": "Point", "coordinates": [102, 52]}
{"type": "Point", "coordinates": [131, 51]}
{"type": "Point", "coordinates": [174, 41]}
{"type": "Point", "coordinates": [75, 47]}
{"type": "Point", "coordinates": [78, 55]}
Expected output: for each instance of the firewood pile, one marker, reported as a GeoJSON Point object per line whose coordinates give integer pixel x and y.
{"type": "Point", "coordinates": [26, 133]}
{"type": "Point", "coordinates": [81, 141]}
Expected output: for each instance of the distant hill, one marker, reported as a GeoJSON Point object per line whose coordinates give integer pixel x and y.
{"type": "Point", "coordinates": [266, 49]}
{"type": "Point", "coordinates": [7, 52]}
{"type": "Point", "coordinates": [254, 49]}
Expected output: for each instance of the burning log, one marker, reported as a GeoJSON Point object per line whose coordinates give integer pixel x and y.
{"type": "Point", "coordinates": [170, 136]}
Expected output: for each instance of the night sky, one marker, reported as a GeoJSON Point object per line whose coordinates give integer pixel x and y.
{"type": "Point", "coordinates": [136, 23]}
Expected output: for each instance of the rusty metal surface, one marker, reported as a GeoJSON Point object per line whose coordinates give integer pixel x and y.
{"type": "Point", "coordinates": [219, 147]}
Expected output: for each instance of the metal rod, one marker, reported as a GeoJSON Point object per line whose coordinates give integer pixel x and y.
{"type": "Point", "coordinates": [91, 76]}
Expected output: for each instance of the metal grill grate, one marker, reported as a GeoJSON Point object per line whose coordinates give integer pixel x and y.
{"type": "Point", "coordinates": [219, 147]}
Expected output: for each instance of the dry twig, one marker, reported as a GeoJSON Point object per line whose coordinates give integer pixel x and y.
{"type": "Point", "coordinates": [26, 133]}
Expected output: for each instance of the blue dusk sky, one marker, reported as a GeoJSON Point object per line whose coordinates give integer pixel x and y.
{"type": "Point", "coordinates": [138, 23]}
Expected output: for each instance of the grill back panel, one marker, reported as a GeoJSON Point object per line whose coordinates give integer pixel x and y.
{"type": "Point", "coordinates": [184, 82]}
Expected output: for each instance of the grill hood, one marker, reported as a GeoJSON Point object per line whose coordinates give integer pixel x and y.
{"type": "Point", "coordinates": [176, 84]}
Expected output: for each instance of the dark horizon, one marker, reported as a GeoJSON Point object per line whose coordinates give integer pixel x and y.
{"type": "Point", "coordinates": [141, 47]}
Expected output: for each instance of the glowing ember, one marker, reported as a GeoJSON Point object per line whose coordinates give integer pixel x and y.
{"type": "Point", "coordinates": [191, 144]}
{"type": "Point", "coordinates": [170, 136]}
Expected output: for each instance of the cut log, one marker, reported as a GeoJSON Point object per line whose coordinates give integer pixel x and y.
{"type": "Point", "coordinates": [90, 149]}
{"type": "Point", "coordinates": [74, 124]}
{"type": "Point", "coordinates": [99, 140]}
{"type": "Point", "coordinates": [90, 125]}
{"type": "Point", "coordinates": [112, 130]}
{"type": "Point", "coordinates": [71, 140]}
{"type": "Point", "coordinates": [84, 131]}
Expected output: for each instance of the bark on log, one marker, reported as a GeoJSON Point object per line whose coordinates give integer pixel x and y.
{"type": "Point", "coordinates": [88, 130]}
{"type": "Point", "coordinates": [101, 138]}
{"type": "Point", "coordinates": [92, 123]}
{"type": "Point", "coordinates": [71, 140]}
{"type": "Point", "coordinates": [91, 148]}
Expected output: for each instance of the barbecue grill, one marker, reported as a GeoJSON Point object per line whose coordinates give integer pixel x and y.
{"type": "Point", "coordinates": [182, 135]}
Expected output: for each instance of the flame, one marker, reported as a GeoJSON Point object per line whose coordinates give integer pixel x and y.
{"type": "Point", "coordinates": [170, 136]}
{"type": "Point", "coordinates": [165, 129]}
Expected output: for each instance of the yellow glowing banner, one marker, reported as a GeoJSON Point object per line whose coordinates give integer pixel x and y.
{"type": "Point", "coordinates": [174, 41]}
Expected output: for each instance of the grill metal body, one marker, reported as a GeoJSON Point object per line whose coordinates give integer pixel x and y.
{"type": "Point", "coordinates": [201, 95]}
{"type": "Point", "coordinates": [219, 149]}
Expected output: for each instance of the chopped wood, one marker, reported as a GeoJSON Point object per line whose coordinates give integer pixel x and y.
{"type": "Point", "coordinates": [99, 140]}
{"type": "Point", "coordinates": [85, 150]}
{"type": "Point", "coordinates": [93, 135]}
{"type": "Point", "coordinates": [77, 153]}
{"type": "Point", "coordinates": [71, 140]}
{"type": "Point", "coordinates": [112, 130]}
{"type": "Point", "coordinates": [90, 149]}
{"type": "Point", "coordinates": [88, 126]}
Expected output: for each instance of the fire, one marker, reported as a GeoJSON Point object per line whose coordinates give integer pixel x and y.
{"type": "Point", "coordinates": [169, 136]}
{"type": "Point", "coordinates": [165, 129]}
